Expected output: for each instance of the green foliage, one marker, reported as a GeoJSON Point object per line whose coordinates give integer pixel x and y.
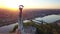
{"type": "Point", "coordinates": [48, 28]}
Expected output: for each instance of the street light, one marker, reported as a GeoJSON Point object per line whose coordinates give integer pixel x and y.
{"type": "Point", "coordinates": [20, 21]}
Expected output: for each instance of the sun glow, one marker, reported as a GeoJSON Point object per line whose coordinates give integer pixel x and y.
{"type": "Point", "coordinates": [15, 3]}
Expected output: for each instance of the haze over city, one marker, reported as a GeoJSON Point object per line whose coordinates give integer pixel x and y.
{"type": "Point", "coordinates": [35, 8]}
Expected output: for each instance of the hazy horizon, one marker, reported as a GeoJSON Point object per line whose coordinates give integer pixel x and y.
{"type": "Point", "coordinates": [30, 4]}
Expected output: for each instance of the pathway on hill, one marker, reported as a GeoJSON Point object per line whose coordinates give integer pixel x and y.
{"type": "Point", "coordinates": [7, 28]}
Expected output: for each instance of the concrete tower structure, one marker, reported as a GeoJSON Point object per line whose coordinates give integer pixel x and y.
{"type": "Point", "coordinates": [20, 21]}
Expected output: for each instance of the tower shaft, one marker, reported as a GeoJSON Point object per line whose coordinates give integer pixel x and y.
{"type": "Point", "coordinates": [20, 22]}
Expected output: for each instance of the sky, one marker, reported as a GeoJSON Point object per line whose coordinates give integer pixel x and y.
{"type": "Point", "coordinates": [42, 4]}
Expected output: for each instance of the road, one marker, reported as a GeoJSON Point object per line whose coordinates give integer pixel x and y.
{"type": "Point", "coordinates": [7, 28]}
